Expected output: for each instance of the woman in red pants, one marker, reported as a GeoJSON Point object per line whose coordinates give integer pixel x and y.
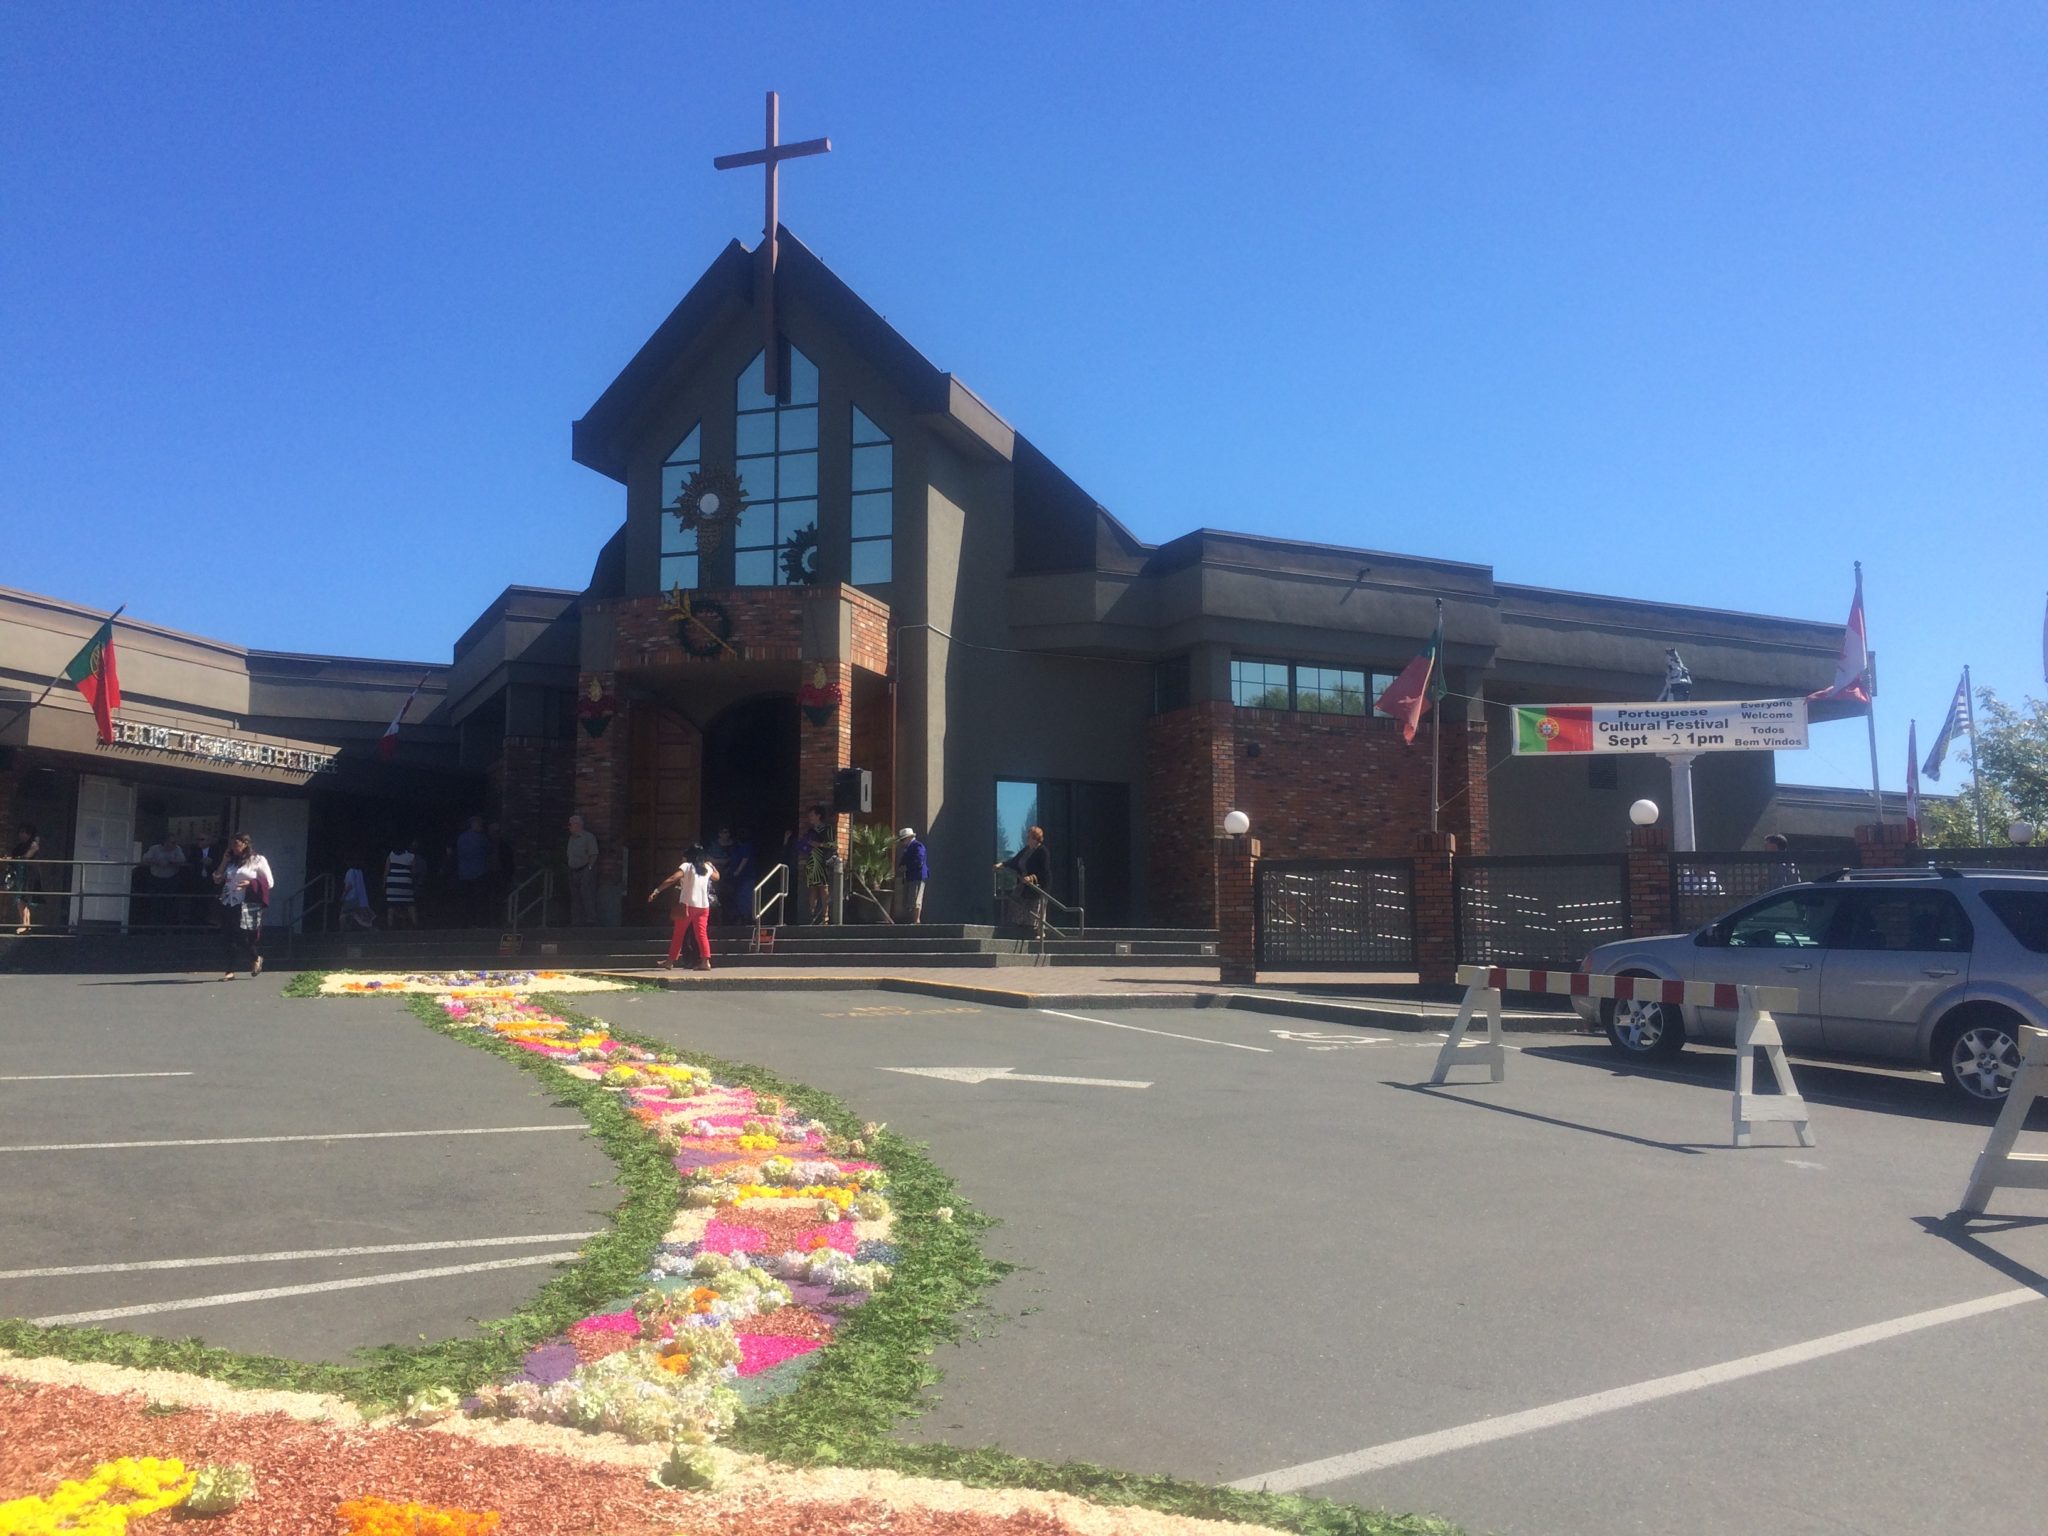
{"type": "Point", "coordinates": [695, 880]}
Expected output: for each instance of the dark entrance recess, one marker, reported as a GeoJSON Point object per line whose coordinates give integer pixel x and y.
{"type": "Point", "coordinates": [750, 772]}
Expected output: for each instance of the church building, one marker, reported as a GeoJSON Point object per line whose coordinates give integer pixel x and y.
{"type": "Point", "coordinates": [835, 555]}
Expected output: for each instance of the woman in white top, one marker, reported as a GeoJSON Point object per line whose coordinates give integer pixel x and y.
{"type": "Point", "coordinates": [244, 880]}
{"type": "Point", "coordinates": [695, 880]}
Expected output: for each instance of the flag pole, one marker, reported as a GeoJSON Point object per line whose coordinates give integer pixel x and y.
{"type": "Point", "coordinates": [50, 687]}
{"type": "Point", "coordinates": [1436, 757]}
{"type": "Point", "coordinates": [1976, 758]}
{"type": "Point", "coordinates": [1870, 709]}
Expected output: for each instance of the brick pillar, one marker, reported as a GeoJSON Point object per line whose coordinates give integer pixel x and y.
{"type": "Point", "coordinates": [1435, 897]}
{"type": "Point", "coordinates": [1649, 881]}
{"type": "Point", "coordinates": [825, 748]}
{"type": "Point", "coordinates": [1237, 926]}
{"type": "Point", "coordinates": [1884, 846]}
{"type": "Point", "coordinates": [600, 787]}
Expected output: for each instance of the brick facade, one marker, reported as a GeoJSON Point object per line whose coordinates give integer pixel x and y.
{"type": "Point", "coordinates": [826, 747]}
{"type": "Point", "coordinates": [532, 794]}
{"type": "Point", "coordinates": [1649, 881]}
{"type": "Point", "coordinates": [1435, 896]}
{"type": "Point", "coordinates": [1314, 786]}
{"type": "Point", "coordinates": [1237, 946]}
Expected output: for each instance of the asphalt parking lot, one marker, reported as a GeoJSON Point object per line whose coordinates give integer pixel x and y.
{"type": "Point", "coordinates": [337, 1131]}
{"type": "Point", "coordinates": [1286, 1260]}
{"type": "Point", "coordinates": [1256, 1249]}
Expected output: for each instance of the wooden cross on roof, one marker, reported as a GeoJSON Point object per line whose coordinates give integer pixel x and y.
{"type": "Point", "coordinates": [771, 156]}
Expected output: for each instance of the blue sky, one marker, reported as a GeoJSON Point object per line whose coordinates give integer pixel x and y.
{"type": "Point", "coordinates": [1697, 302]}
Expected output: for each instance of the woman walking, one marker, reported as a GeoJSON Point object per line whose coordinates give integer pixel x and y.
{"type": "Point", "coordinates": [22, 883]}
{"type": "Point", "coordinates": [244, 880]}
{"type": "Point", "coordinates": [1032, 866]}
{"type": "Point", "coordinates": [401, 906]}
{"type": "Point", "coordinates": [695, 880]}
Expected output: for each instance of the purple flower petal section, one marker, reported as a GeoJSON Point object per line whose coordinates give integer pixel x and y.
{"type": "Point", "coordinates": [549, 1364]}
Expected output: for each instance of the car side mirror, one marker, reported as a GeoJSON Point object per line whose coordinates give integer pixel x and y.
{"type": "Point", "coordinates": [1713, 936]}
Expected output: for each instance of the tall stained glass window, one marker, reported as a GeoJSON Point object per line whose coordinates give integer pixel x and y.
{"type": "Point", "coordinates": [679, 544]}
{"type": "Point", "coordinates": [874, 502]}
{"type": "Point", "coordinates": [776, 447]}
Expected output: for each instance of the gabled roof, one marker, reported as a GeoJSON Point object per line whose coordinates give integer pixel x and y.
{"type": "Point", "coordinates": [604, 436]}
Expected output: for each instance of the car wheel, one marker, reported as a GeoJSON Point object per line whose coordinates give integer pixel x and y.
{"type": "Point", "coordinates": [1979, 1054]}
{"type": "Point", "coordinates": [1643, 1031]}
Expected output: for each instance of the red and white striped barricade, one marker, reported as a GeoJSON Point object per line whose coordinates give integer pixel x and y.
{"type": "Point", "coordinates": [1998, 1166]}
{"type": "Point", "coordinates": [1755, 1029]}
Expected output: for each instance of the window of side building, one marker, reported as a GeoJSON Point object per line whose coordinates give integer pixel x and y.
{"type": "Point", "coordinates": [776, 455]}
{"type": "Point", "coordinates": [1306, 687]}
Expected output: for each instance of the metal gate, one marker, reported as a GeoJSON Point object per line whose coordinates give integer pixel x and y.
{"type": "Point", "coordinates": [1335, 914]}
{"type": "Point", "coordinates": [1540, 911]}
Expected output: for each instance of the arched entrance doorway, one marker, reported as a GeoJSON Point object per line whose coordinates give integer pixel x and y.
{"type": "Point", "coordinates": [750, 772]}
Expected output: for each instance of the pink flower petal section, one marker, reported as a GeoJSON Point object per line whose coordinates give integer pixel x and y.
{"type": "Point", "coordinates": [837, 1234]}
{"type": "Point", "coordinates": [728, 1237]}
{"type": "Point", "coordinates": [762, 1352]}
{"type": "Point", "coordinates": [608, 1322]}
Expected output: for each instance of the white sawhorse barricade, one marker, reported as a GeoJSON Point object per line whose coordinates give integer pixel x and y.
{"type": "Point", "coordinates": [1998, 1166]}
{"type": "Point", "coordinates": [1755, 1030]}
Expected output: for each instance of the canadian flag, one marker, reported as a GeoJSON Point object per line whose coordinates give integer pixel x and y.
{"type": "Point", "coordinates": [387, 744]}
{"type": "Point", "coordinates": [1852, 682]}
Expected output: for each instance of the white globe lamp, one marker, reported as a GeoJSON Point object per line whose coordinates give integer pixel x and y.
{"type": "Point", "coordinates": [1643, 813]}
{"type": "Point", "coordinates": [1236, 823]}
{"type": "Point", "coordinates": [2021, 832]}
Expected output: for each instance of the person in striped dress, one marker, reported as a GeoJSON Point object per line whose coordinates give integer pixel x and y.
{"type": "Point", "coordinates": [401, 866]}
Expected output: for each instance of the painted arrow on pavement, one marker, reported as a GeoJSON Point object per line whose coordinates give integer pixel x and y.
{"type": "Point", "coordinates": [1011, 1075]}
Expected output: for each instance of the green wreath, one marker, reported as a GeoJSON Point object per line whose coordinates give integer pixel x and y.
{"type": "Point", "coordinates": [800, 557]}
{"type": "Point", "coordinates": [703, 627]}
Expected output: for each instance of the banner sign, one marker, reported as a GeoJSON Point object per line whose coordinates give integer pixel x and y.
{"type": "Point", "coordinates": [236, 751]}
{"type": "Point", "coordinates": [1757, 725]}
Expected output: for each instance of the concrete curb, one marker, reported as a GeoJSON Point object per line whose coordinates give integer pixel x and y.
{"type": "Point", "coordinates": [1383, 1014]}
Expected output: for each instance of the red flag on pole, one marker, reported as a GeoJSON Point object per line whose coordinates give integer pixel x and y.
{"type": "Point", "coordinates": [92, 673]}
{"type": "Point", "coordinates": [387, 744]}
{"type": "Point", "coordinates": [1420, 684]}
{"type": "Point", "coordinates": [1852, 669]}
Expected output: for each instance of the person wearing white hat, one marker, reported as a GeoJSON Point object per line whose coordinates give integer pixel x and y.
{"type": "Point", "coordinates": [914, 865]}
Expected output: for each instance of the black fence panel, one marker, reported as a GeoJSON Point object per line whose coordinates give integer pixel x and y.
{"type": "Point", "coordinates": [1335, 914]}
{"type": "Point", "coordinates": [1704, 886]}
{"type": "Point", "coordinates": [1982, 858]}
{"type": "Point", "coordinates": [1540, 911]}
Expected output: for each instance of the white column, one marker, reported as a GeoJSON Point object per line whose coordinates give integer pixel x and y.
{"type": "Point", "coordinates": [1682, 839]}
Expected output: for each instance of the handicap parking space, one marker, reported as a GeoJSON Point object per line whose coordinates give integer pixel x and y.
{"type": "Point", "coordinates": [1290, 1248]}
{"type": "Point", "coordinates": [336, 1151]}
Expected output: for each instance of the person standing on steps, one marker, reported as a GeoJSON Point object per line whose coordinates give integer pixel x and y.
{"type": "Point", "coordinates": [23, 879]}
{"type": "Point", "coordinates": [695, 880]}
{"type": "Point", "coordinates": [165, 862]}
{"type": "Point", "coordinates": [914, 869]}
{"type": "Point", "coordinates": [401, 904]}
{"type": "Point", "coordinates": [582, 857]}
{"type": "Point", "coordinates": [817, 835]}
{"type": "Point", "coordinates": [1032, 866]}
{"type": "Point", "coordinates": [244, 880]}
{"type": "Point", "coordinates": [473, 866]}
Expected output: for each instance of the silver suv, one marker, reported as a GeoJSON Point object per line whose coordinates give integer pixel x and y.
{"type": "Point", "coordinates": [1932, 967]}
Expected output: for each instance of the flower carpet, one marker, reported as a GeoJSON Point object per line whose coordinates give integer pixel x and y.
{"type": "Point", "coordinates": [780, 1231]}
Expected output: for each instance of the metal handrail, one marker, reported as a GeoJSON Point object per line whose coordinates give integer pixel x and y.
{"type": "Point", "coordinates": [779, 878]}
{"type": "Point", "coordinates": [71, 889]}
{"type": "Point", "coordinates": [324, 884]}
{"type": "Point", "coordinates": [1045, 926]}
{"type": "Point", "coordinates": [516, 909]}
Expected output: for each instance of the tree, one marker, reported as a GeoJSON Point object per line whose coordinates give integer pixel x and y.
{"type": "Point", "coordinates": [2010, 757]}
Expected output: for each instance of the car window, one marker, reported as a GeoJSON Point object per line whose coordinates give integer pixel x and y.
{"type": "Point", "coordinates": [2025, 915]}
{"type": "Point", "coordinates": [1796, 920]}
{"type": "Point", "coordinates": [1905, 922]}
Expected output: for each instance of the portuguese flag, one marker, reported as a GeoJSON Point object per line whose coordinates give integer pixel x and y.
{"type": "Point", "coordinates": [1420, 685]}
{"type": "Point", "coordinates": [1559, 728]}
{"type": "Point", "coordinates": [92, 672]}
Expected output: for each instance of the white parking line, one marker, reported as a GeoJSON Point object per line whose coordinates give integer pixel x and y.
{"type": "Point", "coordinates": [291, 1254]}
{"type": "Point", "coordinates": [235, 1298]}
{"type": "Point", "coordinates": [1397, 1453]}
{"type": "Point", "coordinates": [1169, 1034]}
{"type": "Point", "coordinates": [258, 1141]}
{"type": "Point", "coordinates": [76, 1077]}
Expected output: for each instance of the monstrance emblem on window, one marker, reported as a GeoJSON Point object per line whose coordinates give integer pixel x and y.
{"type": "Point", "coordinates": [710, 506]}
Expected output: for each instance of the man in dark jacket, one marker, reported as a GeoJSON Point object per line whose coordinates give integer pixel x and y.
{"type": "Point", "coordinates": [913, 868]}
{"type": "Point", "coordinates": [1032, 866]}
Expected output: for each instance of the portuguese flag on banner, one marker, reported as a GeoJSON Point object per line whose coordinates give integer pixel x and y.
{"type": "Point", "coordinates": [1560, 728]}
{"type": "Point", "coordinates": [92, 673]}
